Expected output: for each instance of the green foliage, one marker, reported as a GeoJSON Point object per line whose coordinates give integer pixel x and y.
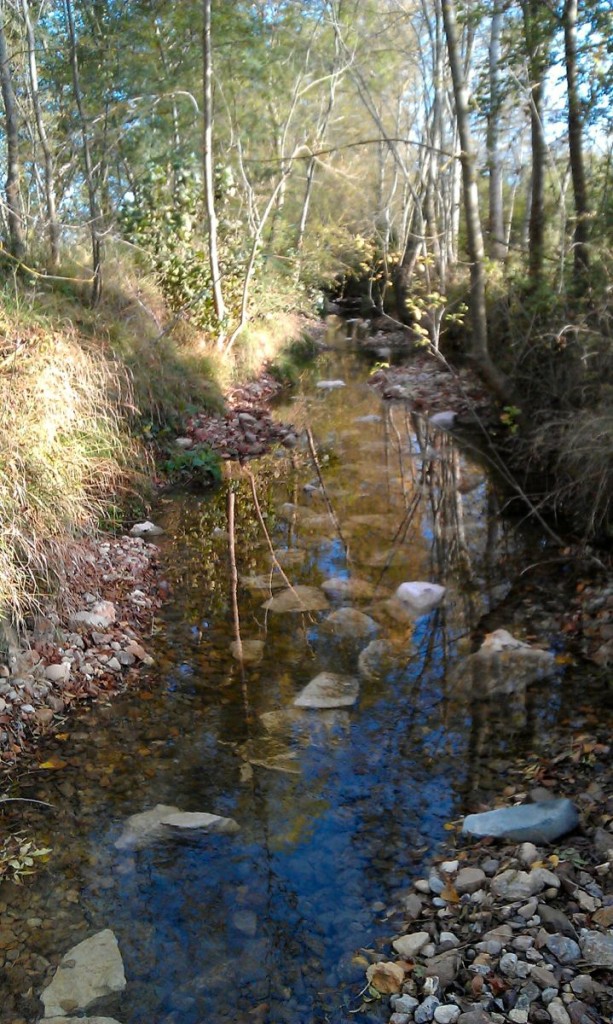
{"type": "Point", "coordinates": [197, 466]}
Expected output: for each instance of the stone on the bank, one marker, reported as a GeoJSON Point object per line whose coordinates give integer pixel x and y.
{"type": "Point", "coordinates": [330, 385]}
{"type": "Point", "coordinates": [349, 622]}
{"type": "Point", "coordinates": [408, 946]}
{"type": "Point", "coordinates": [386, 977]}
{"type": "Point", "coordinates": [80, 1020]}
{"type": "Point", "coordinates": [100, 616]}
{"type": "Point", "coordinates": [540, 823]}
{"type": "Point", "coordinates": [447, 1013]}
{"type": "Point", "coordinates": [58, 673]}
{"type": "Point", "coordinates": [565, 950]}
{"type": "Point", "coordinates": [554, 920]}
{"type": "Point", "coordinates": [419, 597]}
{"type": "Point", "coordinates": [425, 1012]}
{"type": "Point", "coordinates": [300, 598]}
{"type": "Point", "coordinates": [557, 1012]}
{"type": "Point", "coordinates": [469, 880]}
{"type": "Point", "coordinates": [597, 948]}
{"type": "Point", "coordinates": [444, 966]}
{"type": "Point", "coordinates": [527, 854]}
{"type": "Point", "coordinates": [146, 529]}
{"type": "Point", "coordinates": [87, 972]}
{"type": "Point", "coordinates": [502, 665]}
{"type": "Point", "coordinates": [404, 1003]}
{"type": "Point", "coordinates": [514, 885]}
{"type": "Point", "coordinates": [329, 690]}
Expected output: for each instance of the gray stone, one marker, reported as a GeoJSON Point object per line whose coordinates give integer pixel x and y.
{"type": "Point", "coordinates": [58, 673]}
{"type": "Point", "coordinates": [146, 529]}
{"type": "Point", "coordinates": [330, 385]}
{"type": "Point", "coordinates": [90, 970]}
{"type": "Point", "coordinates": [527, 854]}
{"type": "Point", "coordinates": [425, 1012]}
{"type": "Point", "coordinates": [597, 948]}
{"type": "Point", "coordinates": [199, 821]}
{"type": "Point", "coordinates": [508, 964]}
{"type": "Point", "coordinates": [502, 665]}
{"type": "Point", "coordinates": [542, 822]}
{"type": "Point", "coordinates": [557, 1012]}
{"type": "Point", "coordinates": [445, 966]}
{"type": "Point", "coordinates": [409, 946]}
{"type": "Point", "coordinates": [469, 880]}
{"type": "Point", "coordinates": [603, 842]}
{"type": "Point", "coordinates": [444, 420]}
{"type": "Point", "coordinates": [350, 588]}
{"type": "Point", "coordinates": [329, 690]}
{"type": "Point", "coordinates": [419, 597]}
{"type": "Point", "coordinates": [378, 658]}
{"type": "Point", "coordinates": [80, 1020]}
{"type": "Point", "coordinates": [518, 1015]}
{"type": "Point", "coordinates": [553, 920]}
{"type": "Point", "coordinates": [447, 1013]}
{"type": "Point", "coordinates": [412, 906]}
{"type": "Point", "coordinates": [404, 1003]}
{"type": "Point", "coordinates": [548, 994]}
{"type": "Point", "coordinates": [100, 616]}
{"type": "Point", "coordinates": [565, 950]}
{"type": "Point", "coordinates": [513, 885]}
{"type": "Point", "coordinates": [149, 826]}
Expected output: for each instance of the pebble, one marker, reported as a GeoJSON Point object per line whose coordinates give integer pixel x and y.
{"type": "Point", "coordinates": [597, 948]}
{"type": "Point", "coordinates": [447, 1014]}
{"type": "Point", "coordinates": [557, 1012]}
{"type": "Point", "coordinates": [404, 1003]}
{"type": "Point", "coordinates": [469, 880]}
{"type": "Point", "coordinates": [565, 950]}
{"type": "Point", "coordinates": [425, 1012]}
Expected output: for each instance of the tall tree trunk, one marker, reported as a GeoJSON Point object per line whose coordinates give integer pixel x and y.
{"type": "Point", "coordinates": [474, 234]}
{"type": "Point", "coordinates": [16, 223]}
{"type": "Point", "coordinates": [537, 63]}
{"type": "Point", "coordinates": [94, 211]}
{"type": "Point", "coordinates": [497, 247]}
{"type": "Point", "coordinates": [575, 146]}
{"type": "Point", "coordinates": [209, 185]}
{"type": "Point", "coordinates": [53, 226]}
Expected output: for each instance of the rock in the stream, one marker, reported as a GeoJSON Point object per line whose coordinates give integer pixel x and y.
{"type": "Point", "coordinates": [538, 823]}
{"type": "Point", "coordinates": [297, 599]}
{"type": "Point", "coordinates": [352, 588]}
{"type": "Point", "coordinates": [349, 622]}
{"type": "Point", "coordinates": [146, 529]}
{"type": "Point", "coordinates": [420, 597]}
{"type": "Point", "coordinates": [378, 658]}
{"type": "Point", "coordinates": [502, 665]}
{"type": "Point", "coordinates": [329, 690]}
{"type": "Point", "coordinates": [250, 652]}
{"type": "Point", "coordinates": [159, 822]}
{"type": "Point", "coordinates": [87, 972]}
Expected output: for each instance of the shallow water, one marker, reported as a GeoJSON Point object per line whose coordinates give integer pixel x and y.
{"type": "Point", "coordinates": [338, 809]}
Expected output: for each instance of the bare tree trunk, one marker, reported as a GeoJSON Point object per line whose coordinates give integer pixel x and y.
{"type": "Point", "coordinates": [497, 245]}
{"type": "Point", "coordinates": [16, 223]}
{"type": "Point", "coordinates": [575, 146]}
{"type": "Point", "coordinates": [53, 226]}
{"type": "Point", "coordinates": [474, 234]}
{"type": "Point", "coordinates": [94, 212]}
{"type": "Point", "coordinates": [536, 70]}
{"type": "Point", "coordinates": [209, 186]}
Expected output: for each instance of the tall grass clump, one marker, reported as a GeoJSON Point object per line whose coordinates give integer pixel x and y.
{"type": "Point", "coordinates": [65, 452]}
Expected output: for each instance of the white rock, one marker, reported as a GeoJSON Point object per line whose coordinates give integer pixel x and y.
{"type": "Point", "coordinates": [527, 854]}
{"type": "Point", "coordinates": [146, 529]}
{"type": "Point", "coordinates": [200, 821]}
{"type": "Point", "coordinates": [158, 822]}
{"type": "Point", "coordinates": [87, 972]}
{"type": "Point", "coordinates": [445, 420]}
{"type": "Point", "coordinates": [183, 442]}
{"type": "Point", "coordinates": [329, 690]}
{"type": "Point", "coordinates": [447, 1014]}
{"type": "Point", "coordinates": [420, 597]}
{"type": "Point", "coordinates": [330, 385]}
{"type": "Point", "coordinates": [539, 822]}
{"type": "Point", "coordinates": [409, 946]}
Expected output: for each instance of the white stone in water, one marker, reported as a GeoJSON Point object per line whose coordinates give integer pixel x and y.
{"type": "Point", "coordinates": [420, 597]}
{"type": "Point", "coordinates": [330, 385]}
{"type": "Point", "coordinates": [157, 823]}
{"type": "Point", "coordinates": [502, 665]}
{"type": "Point", "coordinates": [539, 822]}
{"type": "Point", "coordinates": [445, 420]}
{"type": "Point", "coordinates": [146, 529]}
{"type": "Point", "coordinates": [378, 658]}
{"type": "Point", "coordinates": [329, 690]}
{"type": "Point", "coordinates": [200, 821]}
{"type": "Point", "coordinates": [87, 972]}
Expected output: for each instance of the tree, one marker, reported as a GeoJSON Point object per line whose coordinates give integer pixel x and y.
{"type": "Point", "coordinates": [575, 147]}
{"type": "Point", "coordinates": [209, 185]}
{"type": "Point", "coordinates": [16, 222]}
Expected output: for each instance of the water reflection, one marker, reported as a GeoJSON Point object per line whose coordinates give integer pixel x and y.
{"type": "Point", "coordinates": [337, 808]}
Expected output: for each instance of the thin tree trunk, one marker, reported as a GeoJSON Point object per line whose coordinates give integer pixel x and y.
{"type": "Point", "coordinates": [209, 186]}
{"type": "Point", "coordinates": [53, 226]}
{"type": "Point", "coordinates": [94, 212]}
{"type": "Point", "coordinates": [474, 234]}
{"type": "Point", "coordinates": [575, 146]}
{"type": "Point", "coordinates": [497, 245]}
{"type": "Point", "coordinates": [16, 223]}
{"type": "Point", "coordinates": [536, 70]}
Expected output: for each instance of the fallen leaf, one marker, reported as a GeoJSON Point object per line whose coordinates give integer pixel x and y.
{"type": "Point", "coordinates": [449, 894]}
{"type": "Point", "coordinates": [53, 764]}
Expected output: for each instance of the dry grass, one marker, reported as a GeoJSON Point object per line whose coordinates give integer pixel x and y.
{"type": "Point", "coordinates": [65, 451]}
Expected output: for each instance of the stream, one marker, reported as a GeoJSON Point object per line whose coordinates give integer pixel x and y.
{"type": "Point", "coordinates": [339, 809]}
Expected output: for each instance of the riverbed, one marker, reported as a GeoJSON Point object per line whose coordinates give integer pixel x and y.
{"type": "Point", "coordinates": [338, 809]}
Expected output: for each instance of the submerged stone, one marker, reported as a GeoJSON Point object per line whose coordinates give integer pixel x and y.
{"type": "Point", "coordinates": [378, 658]}
{"type": "Point", "coordinates": [158, 823]}
{"type": "Point", "coordinates": [87, 972]}
{"type": "Point", "coordinates": [350, 622]}
{"type": "Point", "coordinates": [538, 823]}
{"type": "Point", "coordinates": [420, 597]}
{"type": "Point", "coordinates": [502, 665]}
{"type": "Point", "coordinates": [351, 588]}
{"type": "Point", "coordinates": [297, 599]}
{"type": "Point", "coordinates": [329, 690]}
{"type": "Point", "coordinates": [247, 651]}
{"type": "Point", "coordinates": [200, 821]}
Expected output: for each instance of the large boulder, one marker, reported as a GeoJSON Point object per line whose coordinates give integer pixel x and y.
{"type": "Point", "coordinates": [329, 690]}
{"type": "Point", "coordinates": [163, 820]}
{"type": "Point", "coordinates": [502, 665]}
{"type": "Point", "coordinates": [533, 823]}
{"type": "Point", "coordinates": [87, 972]}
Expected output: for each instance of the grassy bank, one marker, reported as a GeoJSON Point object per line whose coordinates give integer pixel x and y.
{"type": "Point", "coordinates": [83, 393]}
